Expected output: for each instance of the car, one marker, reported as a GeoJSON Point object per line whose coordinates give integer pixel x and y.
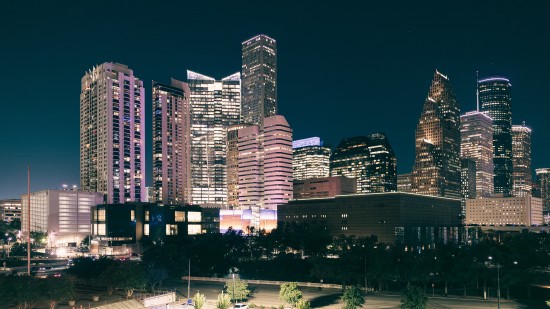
{"type": "Point", "coordinates": [240, 306]}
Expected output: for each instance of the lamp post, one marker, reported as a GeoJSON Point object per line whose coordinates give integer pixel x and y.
{"type": "Point", "coordinates": [233, 286]}
{"type": "Point", "coordinates": [9, 239]}
{"type": "Point", "coordinates": [498, 282]}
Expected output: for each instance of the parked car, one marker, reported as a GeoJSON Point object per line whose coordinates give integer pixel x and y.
{"type": "Point", "coordinates": [240, 306]}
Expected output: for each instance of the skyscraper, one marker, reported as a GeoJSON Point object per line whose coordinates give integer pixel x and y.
{"type": "Point", "coordinates": [543, 182]}
{"type": "Point", "coordinates": [171, 147]}
{"type": "Point", "coordinates": [310, 159]}
{"type": "Point", "coordinates": [495, 97]}
{"type": "Point", "coordinates": [233, 165]}
{"type": "Point", "coordinates": [112, 138]}
{"type": "Point", "coordinates": [259, 69]}
{"type": "Point", "coordinates": [368, 159]}
{"type": "Point", "coordinates": [521, 161]}
{"type": "Point", "coordinates": [437, 166]}
{"type": "Point", "coordinates": [214, 105]}
{"type": "Point", "coordinates": [476, 135]}
{"type": "Point", "coordinates": [468, 182]}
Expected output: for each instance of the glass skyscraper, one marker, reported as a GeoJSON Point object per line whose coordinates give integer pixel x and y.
{"type": "Point", "coordinates": [521, 161]}
{"type": "Point", "coordinates": [437, 165]}
{"type": "Point", "coordinates": [259, 78]}
{"type": "Point", "coordinates": [495, 97]}
{"type": "Point", "coordinates": [214, 106]}
{"type": "Point", "coordinates": [310, 159]}
{"type": "Point", "coordinates": [112, 136]}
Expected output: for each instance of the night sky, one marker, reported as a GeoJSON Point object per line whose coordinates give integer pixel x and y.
{"type": "Point", "coordinates": [344, 68]}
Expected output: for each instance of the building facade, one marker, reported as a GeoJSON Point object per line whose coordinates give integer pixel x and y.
{"type": "Point", "coordinates": [392, 216]}
{"type": "Point", "coordinates": [543, 183]}
{"type": "Point", "coordinates": [63, 214]}
{"type": "Point", "coordinates": [310, 159]}
{"type": "Point", "coordinates": [10, 210]}
{"type": "Point", "coordinates": [522, 174]}
{"type": "Point", "coordinates": [497, 211]}
{"type": "Point", "coordinates": [259, 76]}
{"type": "Point", "coordinates": [436, 169]}
{"type": "Point", "coordinates": [112, 135]}
{"type": "Point", "coordinates": [171, 143]}
{"type": "Point", "coordinates": [495, 97]}
{"type": "Point", "coordinates": [476, 143]}
{"type": "Point", "coordinates": [468, 182]}
{"type": "Point", "coordinates": [233, 165]}
{"type": "Point", "coordinates": [324, 187]}
{"type": "Point", "coordinates": [215, 106]}
{"type": "Point", "coordinates": [404, 182]}
{"type": "Point", "coordinates": [368, 159]}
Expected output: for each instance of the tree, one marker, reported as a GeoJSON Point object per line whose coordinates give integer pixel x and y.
{"type": "Point", "coordinates": [290, 293]}
{"type": "Point", "coordinates": [237, 289]}
{"type": "Point", "coordinates": [199, 300]}
{"type": "Point", "coordinates": [353, 297]}
{"type": "Point", "coordinates": [224, 301]}
{"type": "Point", "coordinates": [26, 291]}
{"type": "Point", "coordinates": [129, 277]}
{"type": "Point", "coordinates": [303, 304]}
{"type": "Point", "coordinates": [56, 290]}
{"type": "Point", "coordinates": [414, 298]}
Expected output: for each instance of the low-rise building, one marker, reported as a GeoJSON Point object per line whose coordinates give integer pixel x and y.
{"type": "Point", "coordinates": [391, 217]}
{"type": "Point", "coordinates": [500, 211]}
{"type": "Point", "coordinates": [324, 187]}
{"type": "Point", "coordinates": [10, 210]}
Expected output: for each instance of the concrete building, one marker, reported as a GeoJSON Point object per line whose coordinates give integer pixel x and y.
{"type": "Point", "coordinates": [10, 210]}
{"type": "Point", "coordinates": [404, 182]}
{"type": "Point", "coordinates": [522, 174]}
{"type": "Point", "coordinates": [504, 211]}
{"type": "Point", "coordinates": [259, 76]}
{"type": "Point", "coordinates": [324, 187]}
{"type": "Point", "coordinates": [393, 217]}
{"type": "Point", "coordinates": [171, 143]}
{"type": "Point", "coordinates": [495, 97]}
{"type": "Point", "coordinates": [476, 143]}
{"type": "Point", "coordinates": [310, 158]}
{"type": "Point", "coordinates": [436, 169]}
{"type": "Point", "coordinates": [112, 134]}
{"type": "Point", "coordinates": [215, 106]}
{"type": "Point", "coordinates": [63, 214]}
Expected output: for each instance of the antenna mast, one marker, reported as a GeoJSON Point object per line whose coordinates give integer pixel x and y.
{"type": "Point", "coordinates": [477, 90]}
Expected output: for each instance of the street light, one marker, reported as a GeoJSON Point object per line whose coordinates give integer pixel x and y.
{"type": "Point", "coordinates": [498, 282]}
{"type": "Point", "coordinates": [233, 286]}
{"type": "Point", "coordinates": [9, 239]}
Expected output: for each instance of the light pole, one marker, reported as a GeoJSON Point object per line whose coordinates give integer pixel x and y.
{"type": "Point", "coordinates": [9, 239]}
{"type": "Point", "coordinates": [498, 282]}
{"type": "Point", "coordinates": [233, 286]}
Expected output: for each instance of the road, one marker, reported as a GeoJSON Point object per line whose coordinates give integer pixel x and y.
{"type": "Point", "coordinates": [268, 296]}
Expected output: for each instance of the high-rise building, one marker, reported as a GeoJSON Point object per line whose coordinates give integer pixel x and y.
{"type": "Point", "coordinates": [476, 135]}
{"type": "Point", "coordinates": [521, 161]}
{"type": "Point", "coordinates": [233, 165]}
{"type": "Point", "coordinates": [215, 106]}
{"type": "Point", "coordinates": [468, 182]}
{"type": "Point", "coordinates": [543, 183]}
{"type": "Point", "coordinates": [259, 69]}
{"type": "Point", "coordinates": [437, 166]}
{"type": "Point", "coordinates": [63, 214]}
{"type": "Point", "coordinates": [112, 135]}
{"type": "Point", "coordinates": [171, 147]}
{"type": "Point", "coordinates": [310, 158]}
{"type": "Point", "coordinates": [404, 182]}
{"type": "Point", "coordinates": [369, 159]}
{"type": "Point", "coordinates": [495, 97]}
{"type": "Point", "coordinates": [265, 166]}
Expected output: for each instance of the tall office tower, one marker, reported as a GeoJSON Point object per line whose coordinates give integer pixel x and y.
{"type": "Point", "coordinates": [265, 166]}
{"type": "Point", "coordinates": [521, 161]}
{"type": "Point", "coordinates": [382, 164]}
{"type": "Point", "coordinates": [277, 152]}
{"type": "Point", "coordinates": [404, 182]}
{"type": "Point", "coordinates": [369, 159]}
{"type": "Point", "coordinates": [259, 90]}
{"type": "Point", "coordinates": [476, 136]}
{"type": "Point", "coordinates": [215, 105]}
{"type": "Point", "coordinates": [543, 182]}
{"type": "Point", "coordinates": [171, 148]}
{"type": "Point", "coordinates": [468, 181]}
{"type": "Point", "coordinates": [437, 166]}
{"type": "Point", "coordinates": [495, 97]}
{"type": "Point", "coordinates": [233, 165]}
{"type": "Point", "coordinates": [310, 159]}
{"type": "Point", "coordinates": [112, 138]}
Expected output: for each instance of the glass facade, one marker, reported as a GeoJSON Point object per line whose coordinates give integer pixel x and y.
{"type": "Point", "coordinates": [437, 165]}
{"type": "Point", "coordinates": [543, 183]}
{"type": "Point", "coordinates": [521, 161]}
{"type": "Point", "coordinates": [495, 97]}
{"type": "Point", "coordinates": [310, 161]}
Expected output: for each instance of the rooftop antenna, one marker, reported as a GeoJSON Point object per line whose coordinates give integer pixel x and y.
{"type": "Point", "coordinates": [477, 90]}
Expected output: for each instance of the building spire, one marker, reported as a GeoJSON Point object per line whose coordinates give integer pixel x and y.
{"type": "Point", "coordinates": [477, 90]}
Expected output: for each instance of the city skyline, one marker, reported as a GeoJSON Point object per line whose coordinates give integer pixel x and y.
{"type": "Point", "coordinates": [308, 74]}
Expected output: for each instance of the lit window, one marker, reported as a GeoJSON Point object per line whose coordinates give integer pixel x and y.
{"type": "Point", "coordinates": [132, 215]}
{"type": "Point", "coordinates": [179, 216]}
{"type": "Point", "coordinates": [146, 229]}
{"type": "Point", "coordinates": [194, 216]}
{"type": "Point", "coordinates": [171, 229]}
{"type": "Point", "coordinates": [193, 229]}
{"type": "Point", "coordinates": [147, 215]}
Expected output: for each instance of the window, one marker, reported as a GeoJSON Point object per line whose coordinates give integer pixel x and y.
{"type": "Point", "coordinates": [101, 229]}
{"type": "Point", "coordinates": [146, 229]}
{"type": "Point", "coordinates": [171, 229]}
{"type": "Point", "coordinates": [194, 216]}
{"type": "Point", "coordinates": [101, 215]}
{"type": "Point", "coordinates": [179, 216]}
{"type": "Point", "coordinates": [147, 215]}
{"type": "Point", "coordinates": [132, 215]}
{"type": "Point", "coordinates": [193, 229]}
